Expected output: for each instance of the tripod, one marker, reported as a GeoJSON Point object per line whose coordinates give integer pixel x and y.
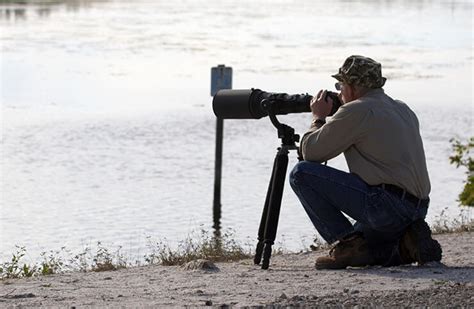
{"type": "Point", "coordinates": [271, 210]}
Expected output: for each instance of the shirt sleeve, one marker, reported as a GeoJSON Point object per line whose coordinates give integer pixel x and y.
{"type": "Point", "coordinates": [345, 129]}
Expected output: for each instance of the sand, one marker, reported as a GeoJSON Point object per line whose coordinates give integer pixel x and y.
{"type": "Point", "coordinates": [291, 281]}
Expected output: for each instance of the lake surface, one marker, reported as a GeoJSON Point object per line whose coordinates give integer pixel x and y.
{"type": "Point", "coordinates": [107, 130]}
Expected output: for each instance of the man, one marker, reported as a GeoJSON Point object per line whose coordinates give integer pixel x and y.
{"type": "Point", "coordinates": [386, 191]}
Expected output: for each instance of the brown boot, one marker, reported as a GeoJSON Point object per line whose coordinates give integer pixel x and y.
{"type": "Point", "coordinates": [416, 244]}
{"type": "Point", "coordinates": [353, 251]}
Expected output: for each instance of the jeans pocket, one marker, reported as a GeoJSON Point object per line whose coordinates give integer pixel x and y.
{"type": "Point", "coordinates": [386, 212]}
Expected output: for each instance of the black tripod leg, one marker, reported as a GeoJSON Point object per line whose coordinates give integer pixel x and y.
{"type": "Point", "coordinates": [274, 205]}
{"type": "Point", "coordinates": [261, 230]}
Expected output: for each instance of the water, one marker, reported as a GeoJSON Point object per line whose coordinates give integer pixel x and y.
{"type": "Point", "coordinates": [107, 130]}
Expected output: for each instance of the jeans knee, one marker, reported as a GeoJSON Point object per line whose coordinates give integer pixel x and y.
{"type": "Point", "coordinates": [292, 177]}
{"type": "Point", "coordinates": [296, 174]}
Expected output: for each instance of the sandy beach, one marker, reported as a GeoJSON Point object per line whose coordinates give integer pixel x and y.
{"type": "Point", "coordinates": [291, 281]}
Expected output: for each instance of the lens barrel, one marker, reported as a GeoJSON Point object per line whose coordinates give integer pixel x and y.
{"type": "Point", "coordinates": [255, 103]}
{"type": "Point", "coordinates": [238, 104]}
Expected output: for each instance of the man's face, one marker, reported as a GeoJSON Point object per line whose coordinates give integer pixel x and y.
{"type": "Point", "coordinates": [346, 92]}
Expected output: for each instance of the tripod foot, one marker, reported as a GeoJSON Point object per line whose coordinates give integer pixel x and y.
{"type": "Point", "coordinates": [267, 252]}
{"type": "Point", "coordinates": [258, 253]}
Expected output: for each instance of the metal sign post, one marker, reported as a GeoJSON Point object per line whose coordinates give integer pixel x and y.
{"type": "Point", "coordinates": [221, 78]}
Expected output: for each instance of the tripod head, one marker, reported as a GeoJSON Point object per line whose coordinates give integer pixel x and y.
{"type": "Point", "coordinates": [285, 132]}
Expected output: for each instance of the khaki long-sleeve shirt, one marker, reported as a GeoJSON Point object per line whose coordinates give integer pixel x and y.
{"type": "Point", "coordinates": [380, 139]}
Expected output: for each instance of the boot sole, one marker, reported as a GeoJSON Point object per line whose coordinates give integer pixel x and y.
{"type": "Point", "coordinates": [321, 266]}
{"type": "Point", "coordinates": [426, 249]}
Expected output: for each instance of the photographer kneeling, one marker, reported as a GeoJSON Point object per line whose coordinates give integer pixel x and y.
{"type": "Point", "coordinates": [387, 189]}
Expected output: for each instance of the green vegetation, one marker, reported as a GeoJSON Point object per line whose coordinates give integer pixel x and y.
{"type": "Point", "coordinates": [461, 157]}
{"type": "Point", "coordinates": [14, 267]}
{"type": "Point", "coordinates": [201, 246]}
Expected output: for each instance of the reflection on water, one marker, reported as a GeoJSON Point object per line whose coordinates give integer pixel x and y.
{"type": "Point", "coordinates": [21, 10]}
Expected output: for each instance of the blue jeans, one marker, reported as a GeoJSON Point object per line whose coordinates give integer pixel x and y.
{"type": "Point", "coordinates": [326, 193]}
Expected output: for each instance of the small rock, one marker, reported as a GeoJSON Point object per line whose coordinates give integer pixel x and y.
{"type": "Point", "coordinates": [283, 296]}
{"type": "Point", "coordinates": [201, 265]}
{"type": "Point", "coordinates": [199, 292]}
{"type": "Point", "coordinates": [120, 295]}
{"type": "Point", "coordinates": [297, 298]}
{"type": "Point", "coordinates": [208, 303]}
{"type": "Point", "coordinates": [346, 290]}
{"type": "Point", "coordinates": [354, 291]}
{"type": "Point", "coordinates": [306, 276]}
{"type": "Point", "coordinates": [108, 278]}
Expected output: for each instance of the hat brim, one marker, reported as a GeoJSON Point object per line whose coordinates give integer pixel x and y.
{"type": "Point", "coordinates": [338, 76]}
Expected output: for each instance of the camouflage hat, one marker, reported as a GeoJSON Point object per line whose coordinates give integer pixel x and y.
{"type": "Point", "coordinates": [362, 71]}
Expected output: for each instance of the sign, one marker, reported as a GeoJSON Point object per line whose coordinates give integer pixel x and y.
{"type": "Point", "coordinates": [221, 78]}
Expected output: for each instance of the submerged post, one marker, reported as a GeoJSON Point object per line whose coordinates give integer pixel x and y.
{"type": "Point", "coordinates": [221, 78]}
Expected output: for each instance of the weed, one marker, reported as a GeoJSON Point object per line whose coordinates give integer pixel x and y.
{"type": "Point", "coordinates": [14, 267]}
{"type": "Point", "coordinates": [106, 261]}
{"type": "Point", "coordinates": [442, 224]}
{"type": "Point", "coordinates": [103, 259]}
{"type": "Point", "coordinates": [203, 246]}
{"type": "Point", "coordinates": [80, 261]}
{"type": "Point", "coordinates": [52, 263]}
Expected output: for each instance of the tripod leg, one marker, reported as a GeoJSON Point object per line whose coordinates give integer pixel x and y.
{"type": "Point", "coordinates": [274, 205]}
{"type": "Point", "coordinates": [261, 230]}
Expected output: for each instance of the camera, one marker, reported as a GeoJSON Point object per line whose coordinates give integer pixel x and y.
{"type": "Point", "coordinates": [255, 103]}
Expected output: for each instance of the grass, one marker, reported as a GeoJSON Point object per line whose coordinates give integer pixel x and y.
{"type": "Point", "coordinates": [198, 245]}
{"type": "Point", "coordinates": [202, 245]}
{"type": "Point", "coordinates": [442, 224]}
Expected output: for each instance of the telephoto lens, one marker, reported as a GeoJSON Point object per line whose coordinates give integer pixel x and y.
{"type": "Point", "coordinates": [255, 103]}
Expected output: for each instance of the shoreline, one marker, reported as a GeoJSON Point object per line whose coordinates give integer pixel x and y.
{"type": "Point", "coordinates": [291, 280]}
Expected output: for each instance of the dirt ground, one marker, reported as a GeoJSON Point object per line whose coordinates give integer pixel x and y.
{"type": "Point", "coordinates": [291, 281]}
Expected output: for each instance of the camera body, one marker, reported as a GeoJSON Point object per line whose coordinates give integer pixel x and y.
{"type": "Point", "coordinates": [255, 103]}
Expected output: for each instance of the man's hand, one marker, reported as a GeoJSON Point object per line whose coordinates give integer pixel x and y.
{"type": "Point", "coordinates": [319, 106]}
